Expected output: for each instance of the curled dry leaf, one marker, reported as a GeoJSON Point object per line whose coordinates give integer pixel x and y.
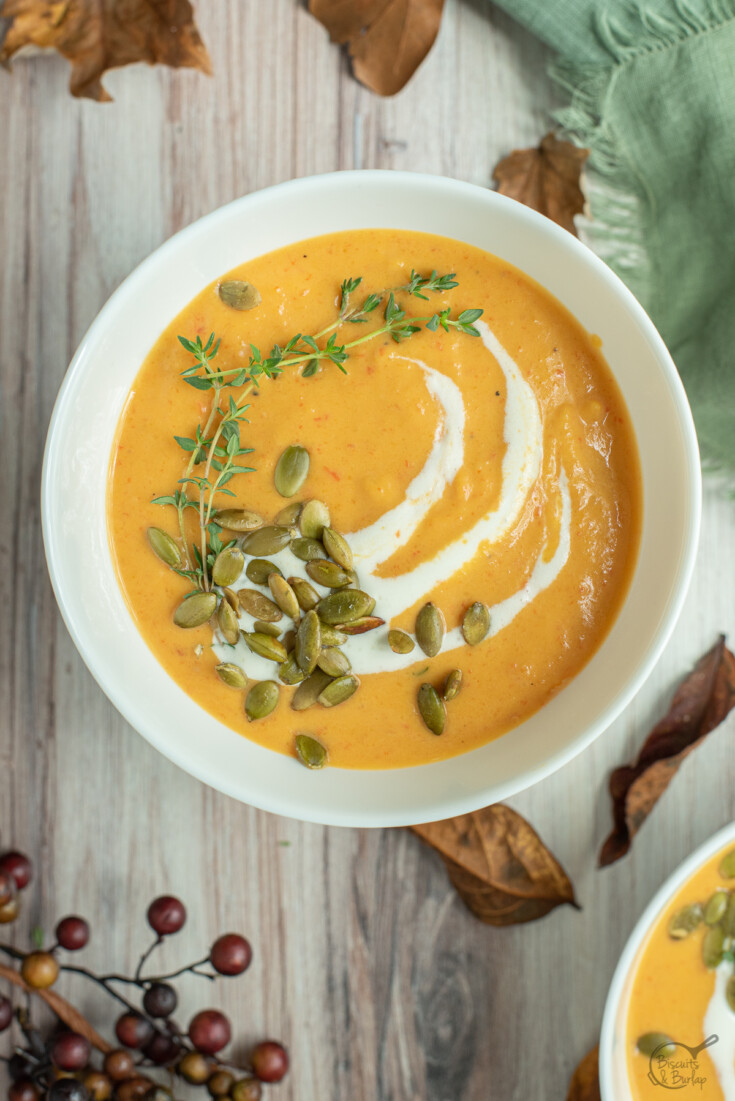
{"type": "Point", "coordinates": [387, 39]}
{"type": "Point", "coordinates": [499, 865]}
{"type": "Point", "coordinates": [66, 1013]}
{"type": "Point", "coordinates": [585, 1083]}
{"type": "Point", "coordinates": [545, 178]}
{"type": "Point", "coordinates": [701, 702]}
{"type": "Point", "coordinates": [98, 35]}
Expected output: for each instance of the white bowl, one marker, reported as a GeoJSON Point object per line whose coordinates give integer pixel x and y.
{"type": "Point", "coordinates": [75, 481]}
{"type": "Point", "coordinates": [614, 1081]}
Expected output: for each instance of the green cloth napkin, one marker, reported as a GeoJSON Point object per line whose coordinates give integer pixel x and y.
{"type": "Point", "coordinates": [651, 93]}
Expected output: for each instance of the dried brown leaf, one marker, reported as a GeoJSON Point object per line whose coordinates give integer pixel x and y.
{"type": "Point", "coordinates": [701, 702]}
{"type": "Point", "coordinates": [585, 1083]}
{"type": "Point", "coordinates": [387, 39]}
{"type": "Point", "coordinates": [98, 35]}
{"type": "Point", "coordinates": [66, 1012]}
{"type": "Point", "coordinates": [499, 865]}
{"type": "Point", "coordinates": [545, 178]}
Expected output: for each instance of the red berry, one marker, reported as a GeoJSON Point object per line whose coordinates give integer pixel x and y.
{"type": "Point", "coordinates": [247, 1089]}
{"type": "Point", "coordinates": [72, 933]}
{"type": "Point", "coordinates": [133, 1031]}
{"type": "Point", "coordinates": [162, 1049]}
{"type": "Point", "coordinates": [9, 911]}
{"type": "Point", "coordinates": [133, 1088]}
{"type": "Point", "coordinates": [209, 1031]}
{"type": "Point", "coordinates": [194, 1068]}
{"type": "Point", "coordinates": [6, 1013]}
{"type": "Point", "coordinates": [67, 1089]}
{"type": "Point", "coordinates": [98, 1085]}
{"type": "Point", "coordinates": [270, 1061]}
{"type": "Point", "coordinates": [166, 915]}
{"type": "Point", "coordinates": [118, 1065]}
{"type": "Point", "coordinates": [220, 1083]}
{"type": "Point", "coordinates": [19, 866]}
{"type": "Point", "coordinates": [24, 1089]}
{"type": "Point", "coordinates": [231, 954]}
{"type": "Point", "coordinates": [8, 888]}
{"type": "Point", "coordinates": [160, 1000]}
{"type": "Point", "coordinates": [70, 1051]}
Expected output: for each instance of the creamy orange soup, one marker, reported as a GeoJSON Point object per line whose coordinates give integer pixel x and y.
{"type": "Point", "coordinates": [499, 468]}
{"type": "Point", "coordinates": [680, 991]}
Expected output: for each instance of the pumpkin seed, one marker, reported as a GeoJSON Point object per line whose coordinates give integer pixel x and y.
{"type": "Point", "coordinates": [476, 623]}
{"type": "Point", "coordinates": [716, 908]}
{"type": "Point", "coordinates": [227, 623]}
{"type": "Point", "coordinates": [343, 607]}
{"type": "Point", "coordinates": [362, 624]}
{"type": "Point", "coordinates": [239, 519]}
{"type": "Point", "coordinates": [258, 605]}
{"type": "Point", "coordinates": [334, 662]}
{"type": "Point", "coordinates": [306, 594]}
{"type": "Point", "coordinates": [308, 641]}
{"type": "Point", "coordinates": [238, 294]}
{"type": "Point", "coordinates": [431, 708]}
{"type": "Point", "coordinates": [730, 992]}
{"type": "Point", "coordinates": [290, 671]}
{"type": "Point", "coordinates": [195, 610]}
{"type": "Point", "coordinates": [261, 700]}
{"type": "Point", "coordinates": [400, 641]}
{"type": "Point", "coordinates": [231, 597]}
{"type": "Point", "coordinates": [284, 595]}
{"type": "Point", "coordinates": [729, 921]}
{"type": "Point", "coordinates": [288, 515]}
{"type": "Point", "coordinates": [308, 691]}
{"type": "Point", "coordinates": [289, 639]}
{"type": "Point", "coordinates": [657, 1043]}
{"type": "Point", "coordinates": [685, 921]}
{"type": "Point", "coordinates": [430, 628]}
{"type": "Point", "coordinates": [712, 946]}
{"type": "Point", "coordinates": [259, 570]}
{"type": "Point", "coordinates": [231, 674]}
{"type": "Point", "coordinates": [263, 628]}
{"type": "Point", "coordinates": [452, 684]}
{"type": "Point", "coordinates": [291, 470]}
{"type": "Point", "coordinates": [314, 519]}
{"type": "Point", "coordinates": [727, 865]}
{"type": "Point", "coordinates": [371, 605]}
{"type": "Point", "coordinates": [310, 752]}
{"type": "Point", "coordinates": [338, 548]}
{"type": "Point", "coordinates": [328, 574]}
{"type": "Point", "coordinates": [331, 636]}
{"type": "Point", "coordinates": [164, 546]}
{"type": "Point", "coordinates": [228, 565]}
{"type": "Point", "coordinates": [265, 646]}
{"type": "Point", "coordinates": [338, 691]}
{"type": "Point", "coordinates": [307, 549]}
{"type": "Point", "coordinates": [269, 540]}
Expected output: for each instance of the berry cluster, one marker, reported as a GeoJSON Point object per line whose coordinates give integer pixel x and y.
{"type": "Point", "coordinates": [64, 1066]}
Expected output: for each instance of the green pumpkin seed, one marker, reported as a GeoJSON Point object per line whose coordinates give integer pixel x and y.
{"type": "Point", "coordinates": [290, 671]}
{"type": "Point", "coordinates": [288, 516]}
{"type": "Point", "coordinates": [328, 574]}
{"type": "Point", "coordinates": [338, 691]}
{"type": "Point", "coordinates": [337, 548]}
{"type": "Point", "coordinates": [259, 570]}
{"type": "Point", "coordinates": [730, 992]}
{"type": "Point", "coordinates": [452, 684]}
{"type": "Point", "coordinates": [308, 691]}
{"type": "Point", "coordinates": [261, 700]}
{"type": "Point", "coordinates": [263, 628]}
{"type": "Point", "coordinates": [196, 610]}
{"type": "Point", "coordinates": [291, 470]}
{"type": "Point", "coordinates": [269, 540]}
{"type": "Point", "coordinates": [331, 636]}
{"type": "Point", "coordinates": [310, 752]}
{"type": "Point", "coordinates": [284, 595]}
{"type": "Point", "coordinates": [716, 907]}
{"type": "Point", "coordinates": [289, 639]}
{"type": "Point", "coordinates": [238, 294]}
{"type": "Point", "coordinates": [231, 597]}
{"type": "Point", "coordinates": [334, 662]}
{"type": "Point", "coordinates": [727, 865]}
{"type": "Point", "coordinates": [306, 594]}
{"type": "Point", "coordinates": [231, 674]}
{"type": "Point", "coordinates": [362, 624]}
{"type": "Point", "coordinates": [314, 519]}
{"type": "Point", "coordinates": [164, 547]}
{"type": "Point", "coordinates": [432, 709]}
{"type": "Point", "coordinates": [712, 946]}
{"type": "Point", "coordinates": [227, 623]}
{"type": "Point", "coordinates": [729, 920]}
{"type": "Point", "coordinates": [239, 519]}
{"type": "Point", "coordinates": [430, 628]}
{"type": "Point", "coordinates": [400, 641]}
{"type": "Point", "coordinates": [685, 921]}
{"type": "Point", "coordinates": [308, 641]}
{"type": "Point", "coordinates": [266, 646]}
{"type": "Point", "coordinates": [476, 623]}
{"type": "Point", "coordinates": [258, 605]}
{"type": "Point", "coordinates": [343, 607]}
{"type": "Point", "coordinates": [657, 1043]}
{"type": "Point", "coordinates": [228, 565]}
{"type": "Point", "coordinates": [307, 549]}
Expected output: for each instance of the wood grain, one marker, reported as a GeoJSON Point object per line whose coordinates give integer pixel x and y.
{"type": "Point", "coordinates": [382, 984]}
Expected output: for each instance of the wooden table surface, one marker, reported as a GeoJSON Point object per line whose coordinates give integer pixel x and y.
{"type": "Point", "coordinates": [367, 965]}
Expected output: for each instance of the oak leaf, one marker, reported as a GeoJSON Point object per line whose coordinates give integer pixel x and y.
{"type": "Point", "coordinates": [546, 178]}
{"type": "Point", "coordinates": [387, 39]}
{"type": "Point", "coordinates": [98, 35]}
{"type": "Point", "coordinates": [499, 865]}
{"type": "Point", "coordinates": [585, 1083]}
{"type": "Point", "coordinates": [701, 702]}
